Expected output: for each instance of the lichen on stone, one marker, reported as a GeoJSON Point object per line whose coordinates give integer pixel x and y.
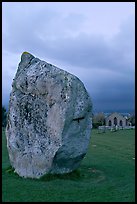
{"type": "Point", "coordinates": [24, 53]}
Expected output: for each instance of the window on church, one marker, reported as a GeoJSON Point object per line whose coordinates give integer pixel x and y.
{"type": "Point", "coordinates": [115, 121]}
{"type": "Point", "coordinates": [109, 122]}
{"type": "Point", "coordinates": [120, 123]}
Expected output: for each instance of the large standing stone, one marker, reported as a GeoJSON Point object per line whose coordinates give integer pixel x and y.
{"type": "Point", "coordinates": [49, 120]}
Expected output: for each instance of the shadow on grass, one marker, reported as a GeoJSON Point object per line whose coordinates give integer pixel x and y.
{"type": "Point", "coordinates": [79, 174]}
{"type": "Point", "coordinates": [75, 175]}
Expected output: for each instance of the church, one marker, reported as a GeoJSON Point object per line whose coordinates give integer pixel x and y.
{"type": "Point", "coordinates": [117, 119]}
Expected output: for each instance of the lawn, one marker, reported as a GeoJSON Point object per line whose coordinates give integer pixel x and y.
{"type": "Point", "coordinates": [106, 174]}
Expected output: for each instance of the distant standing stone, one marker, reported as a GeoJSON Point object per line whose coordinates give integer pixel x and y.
{"type": "Point", "coordinates": [49, 119]}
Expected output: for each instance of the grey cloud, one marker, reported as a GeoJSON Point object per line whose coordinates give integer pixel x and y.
{"type": "Point", "coordinates": [73, 21]}
{"type": "Point", "coordinates": [116, 98]}
{"type": "Point", "coordinates": [45, 31]}
{"type": "Point", "coordinates": [93, 52]}
{"type": "Point", "coordinates": [112, 92]}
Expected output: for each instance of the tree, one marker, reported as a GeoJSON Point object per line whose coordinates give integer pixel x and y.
{"type": "Point", "coordinates": [132, 119]}
{"type": "Point", "coordinates": [98, 120]}
{"type": "Point", "coordinates": [4, 117]}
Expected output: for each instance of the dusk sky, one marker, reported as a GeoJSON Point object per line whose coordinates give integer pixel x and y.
{"type": "Point", "coordinates": [93, 40]}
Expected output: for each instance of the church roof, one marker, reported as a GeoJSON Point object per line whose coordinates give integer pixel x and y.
{"type": "Point", "coordinates": [125, 115]}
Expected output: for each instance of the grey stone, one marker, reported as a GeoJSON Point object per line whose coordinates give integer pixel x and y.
{"type": "Point", "coordinates": [49, 119]}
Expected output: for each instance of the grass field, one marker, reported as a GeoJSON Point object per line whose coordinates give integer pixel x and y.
{"type": "Point", "coordinates": [106, 174]}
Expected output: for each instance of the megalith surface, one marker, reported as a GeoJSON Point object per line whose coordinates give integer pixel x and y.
{"type": "Point", "coordinates": [49, 119]}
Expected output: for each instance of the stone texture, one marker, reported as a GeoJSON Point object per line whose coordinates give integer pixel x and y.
{"type": "Point", "coordinates": [49, 120]}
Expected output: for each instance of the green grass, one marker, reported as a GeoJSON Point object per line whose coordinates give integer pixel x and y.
{"type": "Point", "coordinates": [106, 174]}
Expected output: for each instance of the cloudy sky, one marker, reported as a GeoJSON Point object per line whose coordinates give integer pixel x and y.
{"type": "Point", "coordinates": [93, 40]}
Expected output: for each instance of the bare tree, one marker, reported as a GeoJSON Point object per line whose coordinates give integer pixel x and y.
{"type": "Point", "coordinates": [99, 119]}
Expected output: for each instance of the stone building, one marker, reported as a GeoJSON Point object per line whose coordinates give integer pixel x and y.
{"type": "Point", "coordinates": [116, 119]}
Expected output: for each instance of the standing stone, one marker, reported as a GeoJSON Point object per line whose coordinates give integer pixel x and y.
{"type": "Point", "coordinates": [49, 119]}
